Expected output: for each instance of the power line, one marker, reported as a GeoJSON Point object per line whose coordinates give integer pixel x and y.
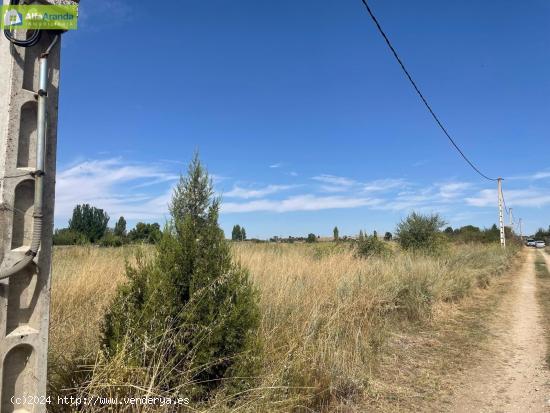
{"type": "Point", "coordinates": [504, 202]}
{"type": "Point", "coordinates": [413, 83]}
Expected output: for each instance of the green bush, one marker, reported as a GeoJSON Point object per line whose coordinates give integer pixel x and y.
{"type": "Point", "coordinates": [110, 239]}
{"type": "Point", "coordinates": [420, 232]}
{"type": "Point", "coordinates": [470, 233]}
{"type": "Point", "coordinates": [67, 236]}
{"type": "Point", "coordinates": [191, 305]}
{"type": "Point", "coordinates": [311, 238]}
{"type": "Point", "coordinates": [370, 246]}
{"type": "Point", "coordinates": [145, 233]}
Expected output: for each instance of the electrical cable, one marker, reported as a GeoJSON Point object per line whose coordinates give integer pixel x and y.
{"type": "Point", "coordinates": [424, 100]}
{"type": "Point", "coordinates": [33, 36]}
{"type": "Point", "coordinates": [504, 201]}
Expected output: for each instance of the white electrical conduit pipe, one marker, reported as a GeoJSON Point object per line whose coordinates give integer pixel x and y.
{"type": "Point", "coordinates": [39, 171]}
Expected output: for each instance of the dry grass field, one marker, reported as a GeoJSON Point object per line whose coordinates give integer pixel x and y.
{"type": "Point", "coordinates": [327, 320]}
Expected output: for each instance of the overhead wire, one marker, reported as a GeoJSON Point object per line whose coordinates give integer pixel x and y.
{"type": "Point", "coordinates": [421, 95]}
{"type": "Point", "coordinates": [504, 201]}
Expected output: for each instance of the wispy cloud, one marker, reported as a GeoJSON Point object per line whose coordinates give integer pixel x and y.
{"type": "Point", "coordinates": [276, 165]}
{"type": "Point", "coordinates": [541, 175]}
{"type": "Point", "coordinates": [332, 183]}
{"type": "Point", "coordinates": [453, 190]}
{"type": "Point", "coordinates": [142, 192]}
{"type": "Point", "coordinates": [335, 180]}
{"type": "Point", "coordinates": [306, 202]}
{"type": "Point", "coordinates": [531, 197]}
{"type": "Point", "coordinates": [419, 163]}
{"type": "Point", "coordinates": [437, 196]}
{"type": "Point", "coordinates": [530, 177]}
{"type": "Point", "coordinates": [111, 184]}
{"type": "Point", "coordinates": [247, 193]}
{"type": "Point", "coordinates": [384, 185]}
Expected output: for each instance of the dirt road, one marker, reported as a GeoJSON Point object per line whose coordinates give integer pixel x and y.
{"type": "Point", "coordinates": [513, 378]}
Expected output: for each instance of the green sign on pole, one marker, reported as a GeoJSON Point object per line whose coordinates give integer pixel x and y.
{"type": "Point", "coordinates": [47, 17]}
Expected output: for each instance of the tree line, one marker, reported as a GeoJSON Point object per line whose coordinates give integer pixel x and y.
{"type": "Point", "coordinates": [543, 235]}
{"type": "Point", "coordinates": [89, 225]}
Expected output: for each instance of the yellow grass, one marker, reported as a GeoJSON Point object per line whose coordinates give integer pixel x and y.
{"type": "Point", "coordinates": [326, 314]}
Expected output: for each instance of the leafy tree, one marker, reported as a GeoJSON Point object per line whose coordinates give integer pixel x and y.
{"type": "Point", "coordinates": [120, 228]}
{"type": "Point", "coordinates": [148, 233]}
{"type": "Point", "coordinates": [420, 232]}
{"type": "Point", "coordinates": [542, 235]}
{"type": "Point", "coordinates": [492, 234]}
{"type": "Point", "coordinates": [191, 305]}
{"type": "Point", "coordinates": [388, 236]}
{"type": "Point", "coordinates": [89, 221]}
{"type": "Point", "coordinates": [311, 238]}
{"type": "Point", "coordinates": [336, 234]}
{"type": "Point", "coordinates": [236, 233]}
{"type": "Point", "coordinates": [471, 233]}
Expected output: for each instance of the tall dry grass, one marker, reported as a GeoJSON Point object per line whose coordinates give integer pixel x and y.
{"type": "Point", "coordinates": [83, 283]}
{"type": "Point", "coordinates": [326, 315]}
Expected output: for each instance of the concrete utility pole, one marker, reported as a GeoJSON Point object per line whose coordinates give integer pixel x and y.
{"type": "Point", "coordinates": [27, 156]}
{"type": "Point", "coordinates": [511, 219]}
{"type": "Point", "coordinates": [520, 228]}
{"type": "Point", "coordinates": [501, 214]}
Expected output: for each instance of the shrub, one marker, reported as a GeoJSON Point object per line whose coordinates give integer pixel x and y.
{"type": "Point", "coordinates": [146, 233]}
{"type": "Point", "coordinates": [110, 239]}
{"type": "Point", "coordinates": [191, 305]}
{"type": "Point", "coordinates": [370, 246]}
{"type": "Point", "coordinates": [67, 236]}
{"type": "Point", "coordinates": [311, 238]}
{"type": "Point", "coordinates": [420, 232]}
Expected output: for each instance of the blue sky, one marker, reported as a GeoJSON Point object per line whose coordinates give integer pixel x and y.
{"type": "Point", "coordinates": [301, 114]}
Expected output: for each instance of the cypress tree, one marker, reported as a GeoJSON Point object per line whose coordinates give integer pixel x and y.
{"type": "Point", "coordinates": [192, 301]}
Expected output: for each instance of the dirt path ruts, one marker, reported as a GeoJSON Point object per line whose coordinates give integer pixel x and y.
{"type": "Point", "coordinates": [513, 378]}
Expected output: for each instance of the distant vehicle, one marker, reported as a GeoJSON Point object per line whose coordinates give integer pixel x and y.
{"type": "Point", "coordinates": [530, 242]}
{"type": "Point", "coordinates": [540, 244]}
